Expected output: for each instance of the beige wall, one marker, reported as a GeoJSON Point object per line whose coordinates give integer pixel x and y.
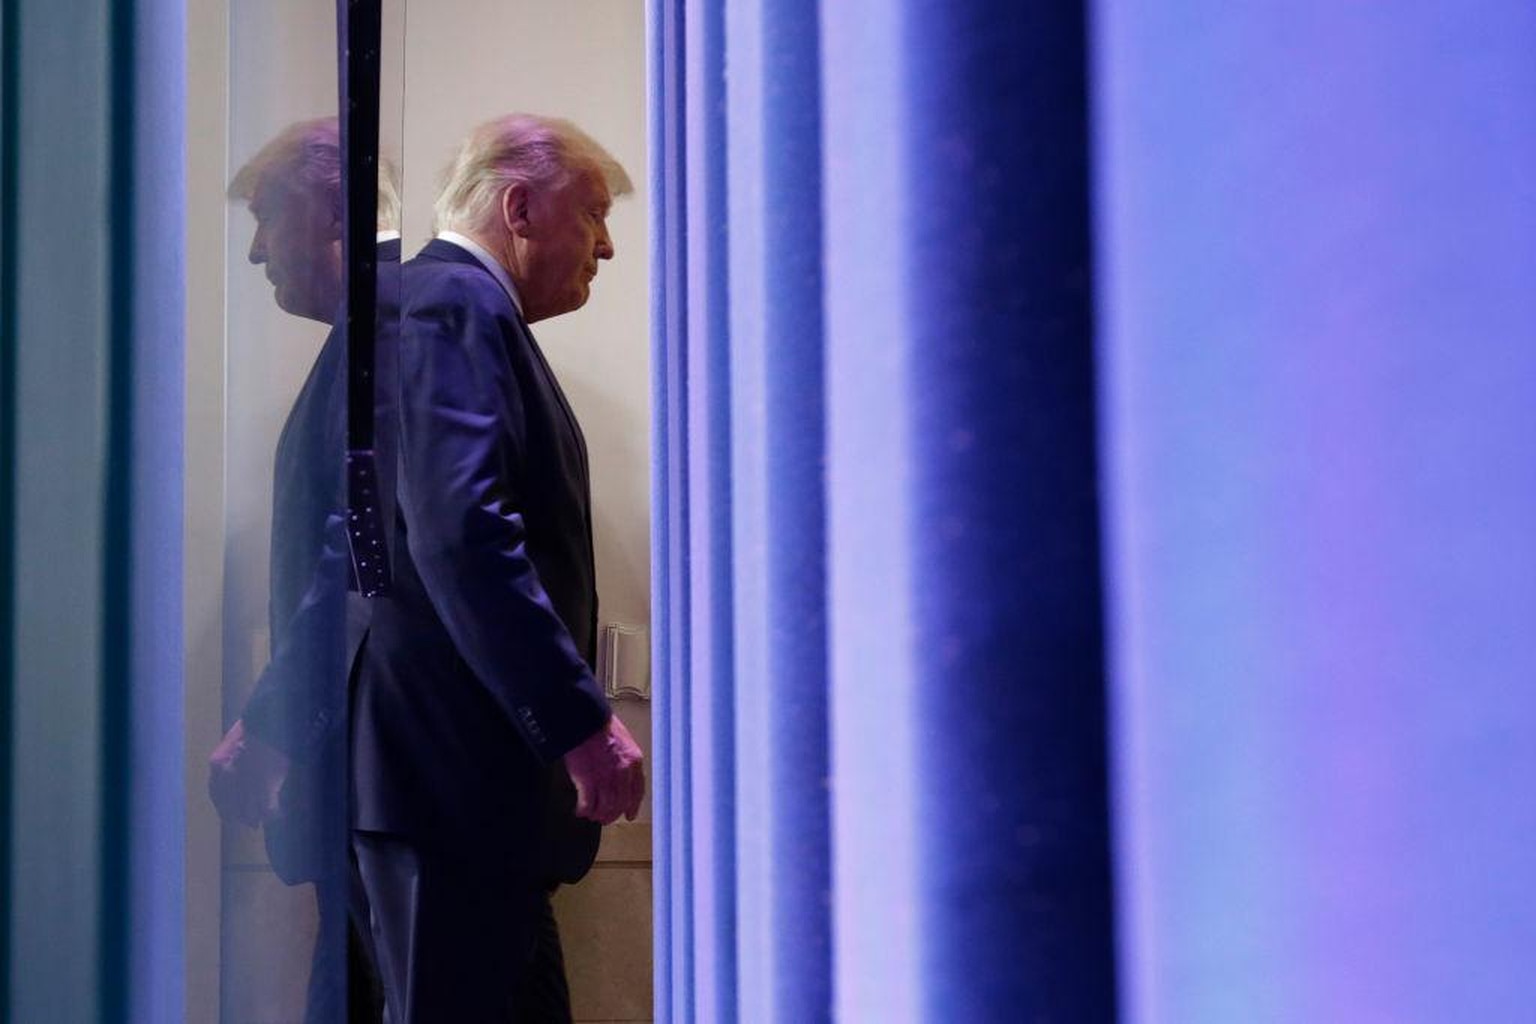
{"type": "Point", "coordinates": [254, 68]}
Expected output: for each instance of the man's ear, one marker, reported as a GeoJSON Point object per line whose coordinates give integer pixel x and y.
{"type": "Point", "coordinates": [514, 209]}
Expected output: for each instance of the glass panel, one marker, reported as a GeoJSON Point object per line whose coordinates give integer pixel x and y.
{"type": "Point", "coordinates": [272, 627]}
{"type": "Point", "coordinates": [258, 546]}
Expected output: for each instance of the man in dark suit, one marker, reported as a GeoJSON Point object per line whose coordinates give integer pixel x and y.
{"type": "Point", "coordinates": [476, 708]}
{"type": "Point", "coordinates": [283, 762]}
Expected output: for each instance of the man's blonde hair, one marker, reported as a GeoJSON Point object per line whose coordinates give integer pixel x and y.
{"type": "Point", "coordinates": [308, 155]}
{"type": "Point", "coordinates": [517, 149]}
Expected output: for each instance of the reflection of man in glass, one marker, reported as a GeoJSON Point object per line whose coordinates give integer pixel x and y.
{"type": "Point", "coordinates": [283, 762]}
{"type": "Point", "coordinates": [475, 695]}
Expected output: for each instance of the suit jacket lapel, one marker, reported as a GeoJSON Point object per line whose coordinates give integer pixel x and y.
{"type": "Point", "coordinates": [438, 249]}
{"type": "Point", "coordinates": [565, 406]}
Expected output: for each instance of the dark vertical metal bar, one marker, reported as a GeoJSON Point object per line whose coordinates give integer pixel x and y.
{"type": "Point", "coordinates": [117, 526]}
{"type": "Point", "coordinates": [9, 130]}
{"type": "Point", "coordinates": [358, 35]}
{"type": "Point", "coordinates": [359, 39]}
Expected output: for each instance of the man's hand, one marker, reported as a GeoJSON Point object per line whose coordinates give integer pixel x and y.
{"type": "Point", "coordinates": [609, 771]}
{"type": "Point", "coordinates": [245, 776]}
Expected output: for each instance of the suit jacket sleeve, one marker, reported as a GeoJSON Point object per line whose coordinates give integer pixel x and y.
{"type": "Point", "coordinates": [463, 444]}
{"type": "Point", "coordinates": [300, 696]}
{"type": "Point", "coordinates": [301, 692]}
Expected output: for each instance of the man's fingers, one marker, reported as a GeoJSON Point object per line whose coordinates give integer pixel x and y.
{"type": "Point", "coordinates": [224, 791]}
{"type": "Point", "coordinates": [237, 802]}
{"type": "Point", "coordinates": [604, 811]}
{"type": "Point", "coordinates": [249, 813]}
{"type": "Point", "coordinates": [633, 789]}
{"type": "Point", "coordinates": [615, 797]}
{"type": "Point", "coordinates": [608, 769]}
{"type": "Point", "coordinates": [217, 795]}
{"type": "Point", "coordinates": [255, 804]}
{"type": "Point", "coordinates": [583, 799]}
{"type": "Point", "coordinates": [636, 779]}
{"type": "Point", "coordinates": [271, 804]}
{"type": "Point", "coordinates": [639, 786]}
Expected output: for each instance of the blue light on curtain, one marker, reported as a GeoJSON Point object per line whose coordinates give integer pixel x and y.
{"type": "Point", "coordinates": [783, 866]}
{"type": "Point", "coordinates": [1318, 243]}
{"type": "Point", "coordinates": [875, 353]}
{"type": "Point", "coordinates": [711, 627]}
{"type": "Point", "coordinates": [877, 913]}
{"type": "Point", "coordinates": [669, 561]}
{"type": "Point", "coordinates": [154, 910]}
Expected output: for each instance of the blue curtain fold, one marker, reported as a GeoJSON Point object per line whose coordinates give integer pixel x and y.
{"type": "Point", "coordinates": [783, 851]}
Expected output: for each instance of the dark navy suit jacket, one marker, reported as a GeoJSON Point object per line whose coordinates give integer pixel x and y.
{"type": "Point", "coordinates": [298, 702]}
{"type": "Point", "coordinates": [476, 677]}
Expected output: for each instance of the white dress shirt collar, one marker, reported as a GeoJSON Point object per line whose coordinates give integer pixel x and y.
{"type": "Point", "coordinates": [488, 261]}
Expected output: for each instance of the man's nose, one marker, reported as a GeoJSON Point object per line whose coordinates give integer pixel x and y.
{"type": "Point", "coordinates": [258, 253]}
{"type": "Point", "coordinates": [604, 250]}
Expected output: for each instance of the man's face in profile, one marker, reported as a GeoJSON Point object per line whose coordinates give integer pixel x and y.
{"type": "Point", "coordinates": [298, 240]}
{"type": "Point", "coordinates": [566, 234]}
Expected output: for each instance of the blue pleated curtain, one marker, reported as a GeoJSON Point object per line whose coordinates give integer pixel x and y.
{"type": "Point", "coordinates": [882, 644]}
{"type": "Point", "coordinates": [91, 331]}
{"type": "Point", "coordinates": [880, 770]}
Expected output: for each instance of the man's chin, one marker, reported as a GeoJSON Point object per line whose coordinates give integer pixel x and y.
{"type": "Point", "coordinates": [295, 305]}
{"type": "Point", "coordinates": [574, 302]}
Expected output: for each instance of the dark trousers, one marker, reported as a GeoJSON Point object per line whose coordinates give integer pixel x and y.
{"type": "Point", "coordinates": [344, 988]}
{"type": "Point", "coordinates": [460, 939]}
